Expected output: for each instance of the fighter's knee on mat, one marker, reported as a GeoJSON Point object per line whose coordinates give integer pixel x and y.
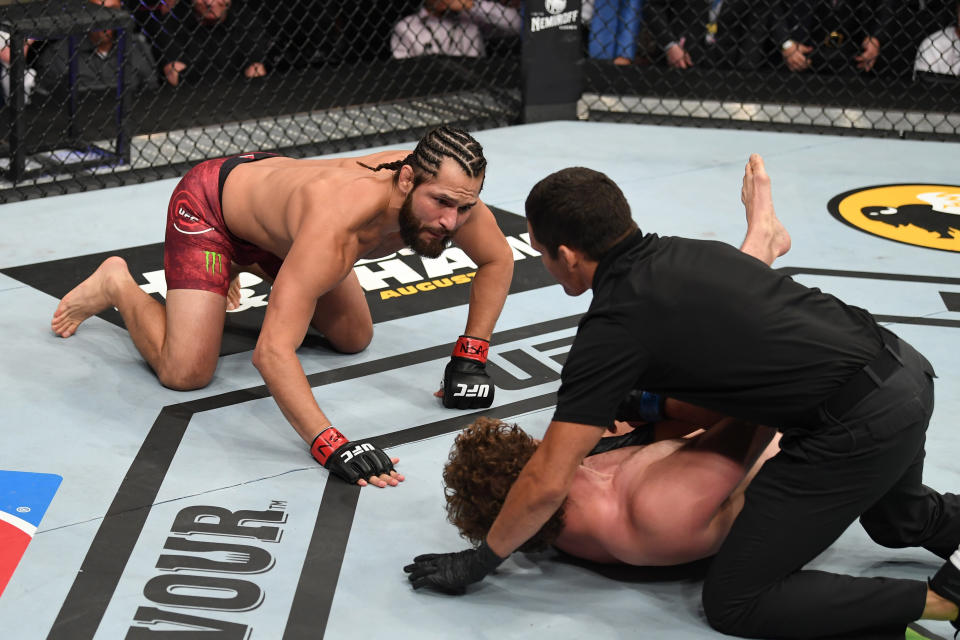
{"type": "Point", "coordinates": [184, 379]}
{"type": "Point", "coordinates": [353, 340]}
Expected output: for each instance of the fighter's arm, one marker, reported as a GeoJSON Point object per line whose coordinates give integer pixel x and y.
{"type": "Point", "coordinates": [302, 279]}
{"type": "Point", "coordinates": [482, 240]}
{"type": "Point", "coordinates": [466, 385]}
{"type": "Point", "coordinates": [691, 414]}
{"type": "Point", "coordinates": [538, 492]}
{"type": "Point", "coordinates": [542, 485]}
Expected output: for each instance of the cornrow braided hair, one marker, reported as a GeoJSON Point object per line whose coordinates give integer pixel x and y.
{"type": "Point", "coordinates": [442, 142]}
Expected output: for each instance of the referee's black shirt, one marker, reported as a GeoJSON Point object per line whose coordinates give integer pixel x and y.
{"type": "Point", "coordinates": [702, 322]}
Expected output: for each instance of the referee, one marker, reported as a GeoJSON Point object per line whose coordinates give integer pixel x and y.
{"type": "Point", "coordinates": [705, 324]}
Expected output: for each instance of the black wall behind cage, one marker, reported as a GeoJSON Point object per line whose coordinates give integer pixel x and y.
{"type": "Point", "coordinates": [106, 92]}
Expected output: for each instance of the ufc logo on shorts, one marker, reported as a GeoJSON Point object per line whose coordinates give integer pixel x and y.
{"type": "Point", "coordinates": [473, 391]}
{"type": "Point", "coordinates": [349, 454]}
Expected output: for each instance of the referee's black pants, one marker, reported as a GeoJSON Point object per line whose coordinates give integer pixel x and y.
{"type": "Point", "coordinates": [866, 464]}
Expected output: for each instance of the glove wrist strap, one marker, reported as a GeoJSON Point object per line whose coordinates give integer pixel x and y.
{"type": "Point", "coordinates": [471, 348]}
{"type": "Point", "coordinates": [644, 406]}
{"type": "Point", "coordinates": [487, 557]}
{"type": "Point", "coordinates": [326, 442]}
{"type": "Point", "coordinates": [651, 406]}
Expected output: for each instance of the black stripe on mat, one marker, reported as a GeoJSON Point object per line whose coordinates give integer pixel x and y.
{"type": "Point", "coordinates": [93, 588]}
{"type": "Point", "coordinates": [926, 322]}
{"type": "Point", "coordinates": [313, 599]}
{"type": "Point", "coordinates": [868, 275]}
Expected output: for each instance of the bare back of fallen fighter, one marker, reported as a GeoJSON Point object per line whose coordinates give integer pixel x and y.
{"type": "Point", "coordinates": [302, 223]}
{"type": "Point", "coordinates": [666, 503]}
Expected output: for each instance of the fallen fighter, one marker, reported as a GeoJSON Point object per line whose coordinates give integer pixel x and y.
{"type": "Point", "coordinates": [668, 502]}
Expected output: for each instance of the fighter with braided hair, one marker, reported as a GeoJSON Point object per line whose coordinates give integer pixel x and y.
{"type": "Point", "coordinates": [303, 224]}
{"type": "Point", "coordinates": [439, 144]}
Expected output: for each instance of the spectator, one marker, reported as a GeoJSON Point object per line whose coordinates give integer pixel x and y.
{"type": "Point", "coordinates": [833, 36]}
{"type": "Point", "coordinates": [914, 20]}
{"type": "Point", "coordinates": [716, 33]}
{"type": "Point", "coordinates": [940, 52]}
{"type": "Point", "coordinates": [613, 30]}
{"type": "Point", "coordinates": [203, 38]}
{"type": "Point", "coordinates": [453, 28]}
{"type": "Point", "coordinates": [29, 75]}
{"type": "Point", "coordinates": [97, 60]}
{"type": "Point", "coordinates": [311, 33]}
{"type": "Point", "coordinates": [149, 15]}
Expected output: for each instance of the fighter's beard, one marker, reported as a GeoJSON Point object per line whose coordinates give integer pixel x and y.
{"type": "Point", "coordinates": [411, 233]}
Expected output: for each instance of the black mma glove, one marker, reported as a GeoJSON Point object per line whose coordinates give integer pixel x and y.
{"type": "Point", "coordinates": [641, 406]}
{"type": "Point", "coordinates": [466, 384]}
{"type": "Point", "coordinates": [349, 461]}
{"type": "Point", "coordinates": [452, 572]}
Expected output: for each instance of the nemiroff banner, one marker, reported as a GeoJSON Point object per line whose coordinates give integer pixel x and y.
{"type": "Point", "coordinates": [398, 285]}
{"type": "Point", "coordinates": [552, 52]}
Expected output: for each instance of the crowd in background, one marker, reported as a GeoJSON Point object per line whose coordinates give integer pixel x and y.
{"type": "Point", "coordinates": [891, 37]}
{"type": "Point", "coordinates": [182, 41]}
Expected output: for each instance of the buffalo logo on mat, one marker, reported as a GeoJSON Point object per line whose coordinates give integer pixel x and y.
{"type": "Point", "coordinates": [926, 215]}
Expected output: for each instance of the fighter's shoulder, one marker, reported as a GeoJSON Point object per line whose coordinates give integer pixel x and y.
{"type": "Point", "coordinates": [481, 232]}
{"type": "Point", "coordinates": [481, 218]}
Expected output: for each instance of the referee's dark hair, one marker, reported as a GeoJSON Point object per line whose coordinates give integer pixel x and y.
{"type": "Point", "coordinates": [580, 208]}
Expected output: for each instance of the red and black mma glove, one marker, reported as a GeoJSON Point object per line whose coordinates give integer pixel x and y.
{"type": "Point", "coordinates": [350, 461]}
{"type": "Point", "coordinates": [452, 572]}
{"type": "Point", "coordinates": [466, 383]}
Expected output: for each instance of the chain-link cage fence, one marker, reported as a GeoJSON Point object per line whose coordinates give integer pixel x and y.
{"type": "Point", "coordinates": [885, 67]}
{"type": "Point", "coordinates": [105, 92]}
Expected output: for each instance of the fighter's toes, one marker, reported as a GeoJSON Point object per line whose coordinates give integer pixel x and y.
{"type": "Point", "coordinates": [87, 298]}
{"type": "Point", "coordinates": [62, 331]}
{"type": "Point", "coordinates": [61, 324]}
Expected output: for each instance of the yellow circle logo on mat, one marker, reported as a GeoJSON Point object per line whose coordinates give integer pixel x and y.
{"type": "Point", "coordinates": [927, 215]}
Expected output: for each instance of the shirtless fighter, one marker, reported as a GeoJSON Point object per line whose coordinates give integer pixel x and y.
{"type": "Point", "coordinates": [303, 224]}
{"type": "Point", "coordinates": [666, 502]}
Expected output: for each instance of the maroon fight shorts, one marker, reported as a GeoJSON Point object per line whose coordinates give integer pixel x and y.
{"type": "Point", "coordinates": [198, 248]}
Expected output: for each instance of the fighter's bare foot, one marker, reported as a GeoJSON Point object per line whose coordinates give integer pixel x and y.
{"type": "Point", "coordinates": [764, 229]}
{"type": "Point", "coordinates": [89, 297]}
